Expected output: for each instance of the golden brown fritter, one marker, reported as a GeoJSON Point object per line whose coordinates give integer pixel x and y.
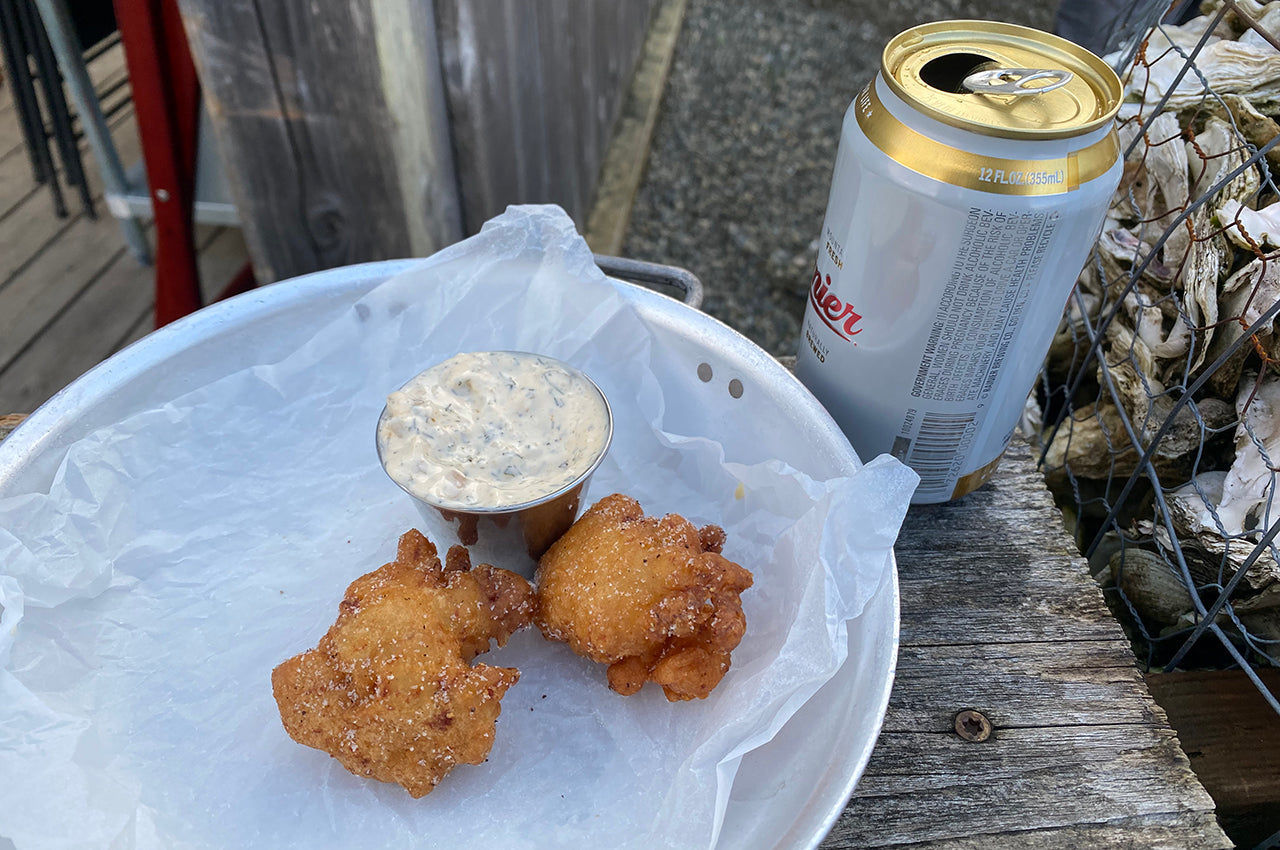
{"type": "Point", "coordinates": [388, 691]}
{"type": "Point", "coordinates": [652, 598]}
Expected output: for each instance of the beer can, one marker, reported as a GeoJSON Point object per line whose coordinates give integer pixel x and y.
{"type": "Point", "coordinates": [971, 181]}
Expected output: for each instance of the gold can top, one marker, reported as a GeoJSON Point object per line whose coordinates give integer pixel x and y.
{"type": "Point", "coordinates": [1001, 79]}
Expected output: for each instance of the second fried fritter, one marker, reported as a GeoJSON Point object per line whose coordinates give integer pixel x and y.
{"type": "Point", "coordinates": [389, 691]}
{"type": "Point", "coordinates": [652, 598]}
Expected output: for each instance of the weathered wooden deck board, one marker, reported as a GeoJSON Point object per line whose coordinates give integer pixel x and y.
{"type": "Point", "coordinates": [999, 615]}
{"type": "Point", "coordinates": [70, 294]}
{"type": "Point", "coordinates": [53, 278]}
{"type": "Point", "coordinates": [1148, 832]}
{"type": "Point", "coordinates": [113, 310]}
{"type": "Point", "coordinates": [1042, 684]}
{"type": "Point", "coordinates": [97, 319]}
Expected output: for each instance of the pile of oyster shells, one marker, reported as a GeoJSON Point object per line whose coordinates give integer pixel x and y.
{"type": "Point", "coordinates": [1188, 261]}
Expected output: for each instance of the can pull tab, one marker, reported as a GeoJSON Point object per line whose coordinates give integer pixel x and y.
{"type": "Point", "coordinates": [1016, 81]}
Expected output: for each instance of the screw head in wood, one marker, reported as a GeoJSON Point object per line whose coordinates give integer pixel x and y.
{"type": "Point", "coordinates": [973, 726]}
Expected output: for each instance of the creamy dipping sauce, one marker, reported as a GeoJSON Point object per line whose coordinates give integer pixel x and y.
{"type": "Point", "coordinates": [492, 429]}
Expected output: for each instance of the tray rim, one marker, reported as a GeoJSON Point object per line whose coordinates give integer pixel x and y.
{"type": "Point", "coordinates": [45, 430]}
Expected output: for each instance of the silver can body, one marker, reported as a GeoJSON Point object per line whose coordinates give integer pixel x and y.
{"type": "Point", "coordinates": [945, 261]}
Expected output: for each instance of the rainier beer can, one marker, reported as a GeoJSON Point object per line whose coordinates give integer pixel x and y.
{"type": "Point", "coordinates": [971, 182]}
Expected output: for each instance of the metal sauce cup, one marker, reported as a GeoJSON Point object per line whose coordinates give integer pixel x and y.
{"type": "Point", "coordinates": [534, 524]}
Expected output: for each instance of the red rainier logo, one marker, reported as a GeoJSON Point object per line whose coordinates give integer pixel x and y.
{"type": "Point", "coordinates": [837, 315]}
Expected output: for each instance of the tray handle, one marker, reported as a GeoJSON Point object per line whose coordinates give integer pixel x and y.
{"type": "Point", "coordinates": [639, 271]}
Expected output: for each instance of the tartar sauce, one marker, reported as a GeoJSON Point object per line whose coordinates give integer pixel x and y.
{"type": "Point", "coordinates": [492, 429]}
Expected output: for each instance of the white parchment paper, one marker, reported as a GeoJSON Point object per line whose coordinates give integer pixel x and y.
{"type": "Point", "coordinates": [182, 553]}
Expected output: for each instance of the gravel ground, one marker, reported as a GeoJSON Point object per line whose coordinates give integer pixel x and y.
{"type": "Point", "coordinates": [741, 156]}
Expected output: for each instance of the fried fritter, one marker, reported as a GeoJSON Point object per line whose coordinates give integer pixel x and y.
{"type": "Point", "coordinates": [388, 691]}
{"type": "Point", "coordinates": [652, 598]}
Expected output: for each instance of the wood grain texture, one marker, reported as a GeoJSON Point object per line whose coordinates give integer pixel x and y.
{"type": "Point", "coordinates": [1070, 683]}
{"type": "Point", "coordinates": [110, 307]}
{"type": "Point", "coordinates": [409, 56]}
{"type": "Point", "coordinates": [222, 255]}
{"type": "Point", "coordinates": [954, 553]}
{"type": "Point", "coordinates": [29, 224]}
{"type": "Point", "coordinates": [999, 615]}
{"type": "Point", "coordinates": [1232, 737]}
{"type": "Point", "coordinates": [310, 105]}
{"type": "Point", "coordinates": [34, 298]}
{"type": "Point", "coordinates": [1180, 831]}
{"type": "Point", "coordinates": [27, 220]}
{"type": "Point", "coordinates": [368, 129]}
{"type": "Point", "coordinates": [88, 326]}
{"type": "Point", "coordinates": [533, 91]}
{"type": "Point", "coordinates": [9, 422]}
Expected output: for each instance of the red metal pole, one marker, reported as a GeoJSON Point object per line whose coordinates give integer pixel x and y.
{"type": "Point", "coordinates": [166, 99]}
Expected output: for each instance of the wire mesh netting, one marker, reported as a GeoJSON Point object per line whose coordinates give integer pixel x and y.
{"type": "Point", "coordinates": [1161, 396]}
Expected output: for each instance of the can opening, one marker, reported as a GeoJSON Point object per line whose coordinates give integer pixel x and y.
{"type": "Point", "coordinates": [947, 73]}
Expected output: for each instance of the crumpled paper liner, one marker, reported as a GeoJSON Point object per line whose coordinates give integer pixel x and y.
{"type": "Point", "coordinates": [182, 553]}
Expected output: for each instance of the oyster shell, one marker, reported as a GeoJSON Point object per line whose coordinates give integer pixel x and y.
{"type": "Point", "coordinates": [1250, 229]}
{"type": "Point", "coordinates": [1216, 151]}
{"type": "Point", "coordinates": [1225, 67]}
{"type": "Point", "coordinates": [1120, 250]}
{"type": "Point", "coordinates": [1132, 370]}
{"type": "Point", "coordinates": [1249, 494]}
{"type": "Point", "coordinates": [1246, 295]}
{"type": "Point", "coordinates": [1228, 26]}
{"type": "Point", "coordinates": [1264, 627]}
{"type": "Point", "coordinates": [1093, 442]}
{"type": "Point", "coordinates": [1256, 128]}
{"type": "Point", "coordinates": [1165, 339]}
{"type": "Point", "coordinates": [1151, 585]}
{"type": "Point", "coordinates": [1268, 18]}
{"type": "Point", "coordinates": [1166, 163]}
{"type": "Point", "coordinates": [1211, 278]}
{"type": "Point", "coordinates": [1214, 557]}
{"type": "Point", "coordinates": [1267, 600]}
{"type": "Point", "coordinates": [1207, 259]}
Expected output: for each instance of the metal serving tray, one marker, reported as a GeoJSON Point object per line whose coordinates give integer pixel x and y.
{"type": "Point", "coordinates": [789, 792]}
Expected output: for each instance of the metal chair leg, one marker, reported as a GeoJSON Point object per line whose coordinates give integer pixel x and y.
{"type": "Point", "coordinates": [61, 30]}
{"type": "Point", "coordinates": [64, 140]}
{"type": "Point", "coordinates": [27, 106]}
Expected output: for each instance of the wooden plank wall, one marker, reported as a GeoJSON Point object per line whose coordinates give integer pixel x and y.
{"type": "Point", "coordinates": [358, 130]}
{"type": "Point", "coordinates": [330, 118]}
{"type": "Point", "coordinates": [533, 90]}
